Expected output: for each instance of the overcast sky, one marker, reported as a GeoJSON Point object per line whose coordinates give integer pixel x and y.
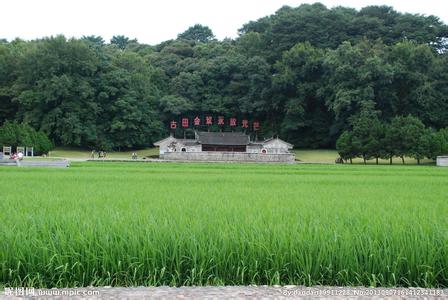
{"type": "Point", "coordinates": [155, 21]}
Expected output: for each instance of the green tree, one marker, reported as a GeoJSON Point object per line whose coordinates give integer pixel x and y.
{"type": "Point", "coordinates": [95, 40]}
{"type": "Point", "coordinates": [417, 83]}
{"type": "Point", "coordinates": [197, 33]}
{"type": "Point", "coordinates": [328, 28]}
{"type": "Point", "coordinates": [20, 134]}
{"type": "Point", "coordinates": [10, 54]}
{"type": "Point", "coordinates": [295, 87]}
{"type": "Point", "coordinates": [356, 76]}
{"type": "Point", "coordinates": [344, 146]}
{"type": "Point", "coordinates": [443, 137]}
{"type": "Point", "coordinates": [175, 105]}
{"type": "Point", "coordinates": [56, 89]}
{"type": "Point", "coordinates": [127, 97]}
{"type": "Point", "coordinates": [304, 72]}
{"type": "Point", "coordinates": [367, 136]}
{"type": "Point", "coordinates": [404, 136]}
{"type": "Point", "coordinates": [121, 41]}
{"type": "Point", "coordinates": [376, 144]}
{"type": "Point", "coordinates": [388, 150]}
{"type": "Point", "coordinates": [8, 134]}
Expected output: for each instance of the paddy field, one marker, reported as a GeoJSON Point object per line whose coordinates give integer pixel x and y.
{"type": "Point", "coordinates": [129, 224]}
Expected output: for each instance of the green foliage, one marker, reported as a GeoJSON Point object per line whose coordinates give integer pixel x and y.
{"type": "Point", "coordinates": [344, 146]}
{"type": "Point", "coordinates": [437, 143]}
{"type": "Point", "coordinates": [43, 143]}
{"type": "Point", "coordinates": [305, 73]}
{"type": "Point", "coordinates": [8, 134]}
{"type": "Point", "coordinates": [328, 28]}
{"type": "Point", "coordinates": [356, 76]}
{"type": "Point", "coordinates": [95, 40]}
{"type": "Point", "coordinates": [368, 134]}
{"type": "Point", "coordinates": [120, 41]}
{"type": "Point", "coordinates": [9, 56]}
{"type": "Point", "coordinates": [86, 96]}
{"type": "Point", "coordinates": [15, 134]}
{"type": "Point", "coordinates": [127, 100]}
{"type": "Point", "coordinates": [443, 138]}
{"type": "Point", "coordinates": [403, 136]}
{"type": "Point", "coordinates": [296, 90]}
{"type": "Point", "coordinates": [197, 33]}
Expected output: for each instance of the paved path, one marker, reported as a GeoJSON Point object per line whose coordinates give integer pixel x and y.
{"type": "Point", "coordinates": [226, 292]}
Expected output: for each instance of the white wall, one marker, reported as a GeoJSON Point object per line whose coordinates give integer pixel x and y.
{"type": "Point", "coordinates": [442, 161]}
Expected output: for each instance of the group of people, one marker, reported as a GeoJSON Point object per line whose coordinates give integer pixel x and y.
{"type": "Point", "coordinates": [16, 156]}
{"type": "Point", "coordinates": [101, 154]}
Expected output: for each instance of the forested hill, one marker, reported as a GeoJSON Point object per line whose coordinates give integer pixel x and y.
{"type": "Point", "coordinates": [303, 72]}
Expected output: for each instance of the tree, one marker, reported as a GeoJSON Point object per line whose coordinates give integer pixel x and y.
{"type": "Point", "coordinates": [296, 86]}
{"type": "Point", "coordinates": [56, 89]}
{"type": "Point", "coordinates": [121, 41]}
{"type": "Point", "coordinates": [43, 143]}
{"type": "Point", "coordinates": [356, 76]}
{"type": "Point", "coordinates": [328, 28]}
{"type": "Point", "coordinates": [431, 144]}
{"type": "Point", "coordinates": [9, 56]}
{"type": "Point", "coordinates": [437, 143]}
{"type": "Point", "coordinates": [377, 134]}
{"type": "Point", "coordinates": [443, 137]}
{"type": "Point", "coordinates": [305, 72]}
{"type": "Point", "coordinates": [344, 146]}
{"type": "Point", "coordinates": [417, 83]}
{"type": "Point", "coordinates": [20, 134]}
{"type": "Point", "coordinates": [404, 136]}
{"type": "Point", "coordinates": [367, 135]}
{"type": "Point", "coordinates": [175, 105]}
{"type": "Point", "coordinates": [8, 134]}
{"type": "Point", "coordinates": [197, 33]}
{"type": "Point", "coordinates": [127, 97]}
{"type": "Point", "coordinates": [388, 150]}
{"type": "Point", "coordinates": [95, 40]}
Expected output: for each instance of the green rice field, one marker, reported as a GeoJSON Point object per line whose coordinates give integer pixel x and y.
{"type": "Point", "coordinates": [128, 224]}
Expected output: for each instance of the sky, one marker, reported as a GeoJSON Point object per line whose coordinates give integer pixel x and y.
{"type": "Point", "coordinates": [152, 22]}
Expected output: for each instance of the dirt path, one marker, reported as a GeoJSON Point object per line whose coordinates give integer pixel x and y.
{"type": "Point", "coordinates": [225, 292]}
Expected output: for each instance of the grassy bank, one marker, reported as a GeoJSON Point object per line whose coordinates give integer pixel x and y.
{"type": "Point", "coordinates": [302, 155]}
{"type": "Point", "coordinates": [78, 153]}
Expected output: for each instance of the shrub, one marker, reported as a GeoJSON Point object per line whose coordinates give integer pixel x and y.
{"type": "Point", "coordinates": [20, 134]}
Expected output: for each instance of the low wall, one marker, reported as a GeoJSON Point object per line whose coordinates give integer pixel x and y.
{"type": "Point", "coordinates": [442, 161]}
{"type": "Point", "coordinates": [33, 163]}
{"type": "Point", "coordinates": [56, 163]}
{"type": "Point", "coordinates": [8, 162]}
{"type": "Point", "coordinates": [228, 156]}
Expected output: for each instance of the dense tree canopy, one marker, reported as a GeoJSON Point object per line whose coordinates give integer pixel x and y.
{"type": "Point", "coordinates": [308, 74]}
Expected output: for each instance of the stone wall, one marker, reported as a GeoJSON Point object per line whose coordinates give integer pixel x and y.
{"type": "Point", "coordinates": [442, 161]}
{"type": "Point", "coordinates": [228, 156]}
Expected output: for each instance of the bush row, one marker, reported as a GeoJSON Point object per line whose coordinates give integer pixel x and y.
{"type": "Point", "coordinates": [20, 134]}
{"type": "Point", "coordinates": [404, 136]}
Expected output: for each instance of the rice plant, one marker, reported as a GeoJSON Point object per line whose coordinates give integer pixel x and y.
{"type": "Point", "coordinates": [213, 224]}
